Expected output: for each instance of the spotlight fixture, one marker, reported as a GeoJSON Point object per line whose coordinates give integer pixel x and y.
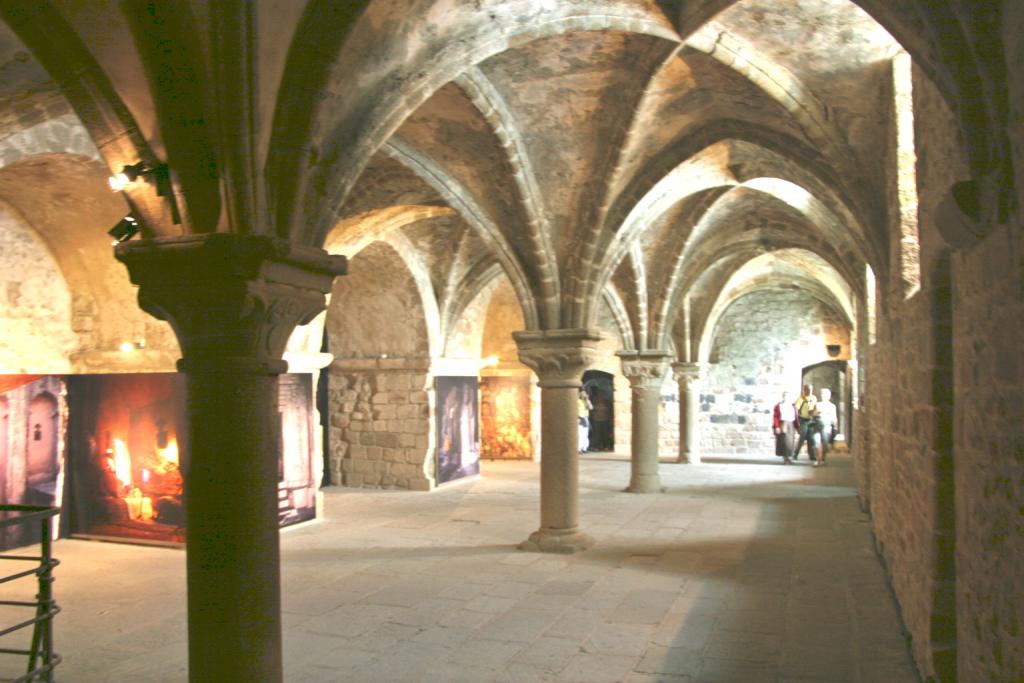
{"type": "Point", "coordinates": [125, 229]}
{"type": "Point", "coordinates": [159, 176]}
{"type": "Point", "coordinates": [128, 175]}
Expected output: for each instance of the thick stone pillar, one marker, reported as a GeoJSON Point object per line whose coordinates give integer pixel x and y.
{"type": "Point", "coordinates": [645, 371]}
{"type": "Point", "coordinates": [233, 300]}
{"type": "Point", "coordinates": [558, 357]}
{"type": "Point", "coordinates": [688, 377]}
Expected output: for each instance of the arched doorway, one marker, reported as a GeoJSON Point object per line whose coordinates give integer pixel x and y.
{"type": "Point", "coordinates": [833, 375]}
{"type": "Point", "coordinates": [600, 388]}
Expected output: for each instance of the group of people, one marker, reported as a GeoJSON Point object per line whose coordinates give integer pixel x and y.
{"type": "Point", "coordinates": [814, 421]}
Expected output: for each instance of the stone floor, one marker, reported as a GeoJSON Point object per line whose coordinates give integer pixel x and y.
{"type": "Point", "coordinates": [744, 570]}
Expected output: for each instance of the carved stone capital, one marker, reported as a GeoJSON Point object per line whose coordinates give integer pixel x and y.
{"type": "Point", "coordinates": [645, 370]}
{"type": "Point", "coordinates": [233, 300]}
{"type": "Point", "coordinates": [688, 374]}
{"type": "Point", "coordinates": [559, 357]}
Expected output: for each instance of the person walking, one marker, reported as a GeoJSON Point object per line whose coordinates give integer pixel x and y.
{"type": "Point", "coordinates": [784, 426]}
{"type": "Point", "coordinates": [583, 409]}
{"type": "Point", "coordinates": [829, 421]}
{"type": "Point", "coordinates": [805, 407]}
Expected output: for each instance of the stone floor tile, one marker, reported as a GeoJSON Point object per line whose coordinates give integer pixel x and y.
{"type": "Point", "coordinates": [489, 604]}
{"type": "Point", "coordinates": [486, 654]}
{"type": "Point", "coordinates": [620, 639]}
{"type": "Point", "coordinates": [638, 677]}
{"type": "Point", "coordinates": [523, 626]}
{"type": "Point", "coordinates": [742, 646]}
{"type": "Point", "coordinates": [574, 623]}
{"type": "Point", "coordinates": [597, 668]}
{"type": "Point", "coordinates": [516, 672]}
{"type": "Point", "coordinates": [643, 607]}
{"type": "Point", "coordinates": [677, 661]}
{"type": "Point", "coordinates": [714, 670]}
{"type": "Point", "coordinates": [404, 587]}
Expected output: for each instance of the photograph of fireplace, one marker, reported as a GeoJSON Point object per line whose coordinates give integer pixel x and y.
{"type": "Point", "coordinates": [32, 424]}
{"type": "Point", "coordinates": [505, 418]}
{"type": "Point", "coordinates": [127, 449]}
{"type": "Point", "coordinates": [128, 456]}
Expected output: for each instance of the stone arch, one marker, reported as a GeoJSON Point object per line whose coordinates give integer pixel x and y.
{"type": "Point", "coordinates": [61, 135]}
{"type": "Point", "coordinates": [762, 341]}
{"type": "Point", "coordinates": [66, 201]}
{"type": "Point", "coordinates": [504, 316]}
{"type": "Point", "coordinates": [111, 124]}
{"type": "Point", "coordinates": [477, 36]}
{"type": "Point", "coordinates": [709, 168]}
{"type": "Point", "coordinates": [939, 37]}
{"type": "Point", "coordinates": [810, 273]}
{"type": "Point", "coordinates": [464, 325]}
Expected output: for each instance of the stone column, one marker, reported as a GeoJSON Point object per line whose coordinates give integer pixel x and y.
{"type": "Point", "coordinates": [558, 357]}
{"type": "Point", "coordinates": [645, 371]}
{"type": "Point", "coordinates": [688, 376]}
{"type": "Point", "coordinates": [233, 300]}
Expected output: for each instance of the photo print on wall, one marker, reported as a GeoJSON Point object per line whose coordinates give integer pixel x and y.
{"type": "Point", "coordinates": [458, 429]}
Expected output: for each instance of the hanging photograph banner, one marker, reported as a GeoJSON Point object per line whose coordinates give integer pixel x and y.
{"type": "Point", "coordinates": [458, 429]}
{"type": "Point", "coordinates": [33, 420]}
{"type": "Point", "coordinates": [128, 455]}
{"type": "Point", "coordinates": [505, 418]}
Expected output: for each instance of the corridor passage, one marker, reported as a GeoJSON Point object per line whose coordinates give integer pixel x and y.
{"type": "Point", "coordinates": [744, 570]}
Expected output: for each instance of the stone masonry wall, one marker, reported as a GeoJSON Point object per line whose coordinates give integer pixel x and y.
{"type": "Point", "coordinates": [380, 432]}
{"type": "Point", "coordinates": [989, 447]}
{"type": "Point", "coordinates": [989, 422]}
{"type": "Point", "coordinates": [35, 305]}
{"type": "Point", "coordinates": [761, 344]}
{"type": "Point", "coordinates": [909, 406]}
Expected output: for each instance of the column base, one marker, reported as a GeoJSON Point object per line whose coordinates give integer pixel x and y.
{"type": "Point", "coordinates": [556, 541]}
{"type": "Point", "coordinates": [647, 484]}
{"type": "Point", "coordinates": [689, 459]}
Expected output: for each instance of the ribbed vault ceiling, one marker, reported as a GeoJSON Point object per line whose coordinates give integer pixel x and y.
{"type": "Point", "coordinates": [585, 145]}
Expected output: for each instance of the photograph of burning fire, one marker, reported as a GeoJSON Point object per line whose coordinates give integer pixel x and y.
{"type": "Point", "coordinates": [505, 418]}
{"type": "Point", "coordinates": [126, 447]}
{"type": "Point", "coordinates": [128, 455]}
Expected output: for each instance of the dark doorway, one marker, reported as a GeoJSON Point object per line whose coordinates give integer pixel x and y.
{"type": "Point", "coordinates": [600, 387]}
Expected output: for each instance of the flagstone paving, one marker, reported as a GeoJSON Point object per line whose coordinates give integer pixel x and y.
{"type": "Point", "coordinates": [743, 570]}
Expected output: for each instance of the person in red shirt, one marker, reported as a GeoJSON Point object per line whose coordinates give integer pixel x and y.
{"type": "Point", "coordinates": [784, 426]}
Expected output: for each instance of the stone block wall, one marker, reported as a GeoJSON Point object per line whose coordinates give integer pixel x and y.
{"type": "Point", "coordinates": [380, 433]}
{"type": "Point", "coordinates": [989, 464]}
{"type": "Point", "coordinates": [909, 404]}
{"type": "Point", "coordinates": [35, 304]}
{"type": "Point", "coordinates": [762, 342]}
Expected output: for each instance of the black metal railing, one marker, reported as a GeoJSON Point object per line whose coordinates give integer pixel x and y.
{"type": "Point", "coordinates": [41, 658]}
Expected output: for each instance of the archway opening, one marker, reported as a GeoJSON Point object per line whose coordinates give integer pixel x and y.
{"type": "Point", "coordinates": [600, 389]}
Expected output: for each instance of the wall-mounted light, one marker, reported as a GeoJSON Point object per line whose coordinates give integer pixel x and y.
{"type": "Point", "coordinates": [125, 229]}
{"type": "Point", "coordinates": [489, 361]}
{"type": "Point", "coordinates": [128, 347]}
{"type": "Point", "coordinates": [159, 176]}
{"type": "Point", "coordinates": [127, 176]}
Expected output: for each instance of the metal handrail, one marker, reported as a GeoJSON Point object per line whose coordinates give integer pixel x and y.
{"type": "Point", "coordinates": [41, 658]}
